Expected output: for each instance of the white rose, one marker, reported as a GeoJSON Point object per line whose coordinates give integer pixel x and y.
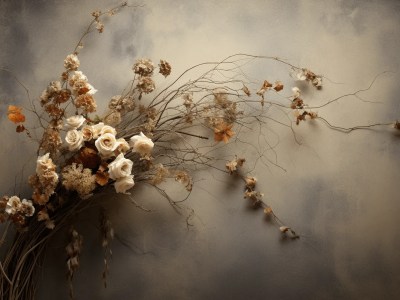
{"type": "Point", "coordinates": [120, 167]}
{"type": "Point", "coordinates": [108, 129]}
{"type": "Point", "coordinates": [141, 144]}
{"type": "Point", "coordinates": [74, 139]}
{"type": "Point", "coordinates": [75, 122]}
{"type": "Point", "coordinates": [88, 132]}
{"type": "Point", "coordinates": [106, 144]}
{"type": "Point", "coordinates": [123, 145]}
{"type": "Point", "coordinates": [13, 205]}
{"type": "Point", "coordinates": [96, 129]}
{"type": "Point", "coordinates": [44, 163]}
{"type": "Point", "coordinates": [123, 184]}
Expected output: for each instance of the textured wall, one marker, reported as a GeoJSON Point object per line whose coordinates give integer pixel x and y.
{"type": "Point", "coordinates": [340, 191]}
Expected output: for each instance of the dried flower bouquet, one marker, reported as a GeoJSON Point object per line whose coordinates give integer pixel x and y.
{"type": "Point", "coordinates": [148, 135]}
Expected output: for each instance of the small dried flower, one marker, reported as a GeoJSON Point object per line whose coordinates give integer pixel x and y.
{"type": "Point", "coordinates": [233, 164]}
{"type": "Point", "coordinates": [71, 62]}
{"type": "Point", "coordinates": [54, 87]}
{"type": "Point", "coordinates": [13, 205]}
{"type": "Point", "coordinates": [184, 178]}
{"type": "Point", "coordinates": [250, 182]}
{"type": "Point", "coordinates": [143, 67]}
{"type": "Point", "coordinates": [284, 229]}
{"type": "Point", "coordinates": [160, 174]}
{"type": "Point", "coordinates": [27, 208]}
{"type": "Point", "coordinates": [317, 82]}
{"type": "Point", "coordinates": [223, 132]}
{"type": "Point", "coordinates": [188, 100]}
{"type": "Point", "coordinates": [296, 92]}
{"type": "Point", "coordinates": [268, 210]}
{"type": "Point", "coordinates": [113, 119]}
{"type": "Point", "coordinates": [265, 87]}
{"type": "Point", "coordinates": [165, 68]}
{"type": "Point", "coordinates": [86, 103]}
{"type": "Point", "coordinates": [312, 115]}
{"type": "Point", "coordinates": [100, 27]}
{"type": "Point", "coordinates": [146, 85]}
{"type": "Point", "coordinates": [44, 164]}
{"type": "Point", "coordinates": [96, 14]}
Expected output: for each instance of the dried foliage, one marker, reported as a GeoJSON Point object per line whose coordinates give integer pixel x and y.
{"type": "Point", "coordinates": [148, 135]}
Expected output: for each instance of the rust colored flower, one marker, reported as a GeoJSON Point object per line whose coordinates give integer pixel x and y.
{"type": "Point", "coordinates": [15, 114]}
{"type": "Point", "coordinates": [223, 132]}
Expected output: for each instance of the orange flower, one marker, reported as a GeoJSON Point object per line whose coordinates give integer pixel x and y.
{"type": "Point", "coordinates": [223, 132]}
{"type": "Point", "coordinates": [15, 115]}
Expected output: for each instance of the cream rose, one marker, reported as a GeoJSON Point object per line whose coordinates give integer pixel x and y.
{"type": "Point", "coordinates": [96, 129]}
{"type": "Point", "coordinates": [120, 167]}
{"type": "Point", "coordinates": [123, 184]}
{"type": "Point", "coordinates": [106, 144]}
{"type": "Point", "coordinates": [88, 132]}
{"type": "Point", "coordinates": [75, 122]}
{"type": "Point", "coordinates": [108, 129]}
{"type": "Point", "coordinates": [141, 144]}
{"type": "Point", "coordinates": [123, 145]}
{"type": "Point", "coordinates": [74, 139]}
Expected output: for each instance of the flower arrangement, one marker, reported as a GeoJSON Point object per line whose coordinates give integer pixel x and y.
{"type": "Point", "coordinates": [146, 136]}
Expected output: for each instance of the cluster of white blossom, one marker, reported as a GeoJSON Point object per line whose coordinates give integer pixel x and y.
{"type": "Point", "coordinates": [109, 146]}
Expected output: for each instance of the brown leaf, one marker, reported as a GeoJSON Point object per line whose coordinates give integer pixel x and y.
{"type": "Point", "coordinates": [278, 86]}
{"type": "Point", "coordinates": [102, 178]}
{"type": "Point", "coordinates": [20, 128]}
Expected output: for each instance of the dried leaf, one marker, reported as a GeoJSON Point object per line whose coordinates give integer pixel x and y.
{"type": "Point", "coordinates": [20, 128]}
{"type": "Point", "coordinates": [102, 178]}
{"type": "Point", "coordinates": [246, 90]}
{"type": "Point", "coordinates": [278, 86]}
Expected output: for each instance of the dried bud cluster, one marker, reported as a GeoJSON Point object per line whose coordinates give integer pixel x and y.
{"type": "Point", "coordinates": [234, 164]}
{"type": "Point", "coordinates": [165, 68]}
{"type": "Point", "coordinates": [309, 76]}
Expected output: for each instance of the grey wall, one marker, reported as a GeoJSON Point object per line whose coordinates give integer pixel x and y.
{"type": "Point", "coordinates": [340, 191]}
